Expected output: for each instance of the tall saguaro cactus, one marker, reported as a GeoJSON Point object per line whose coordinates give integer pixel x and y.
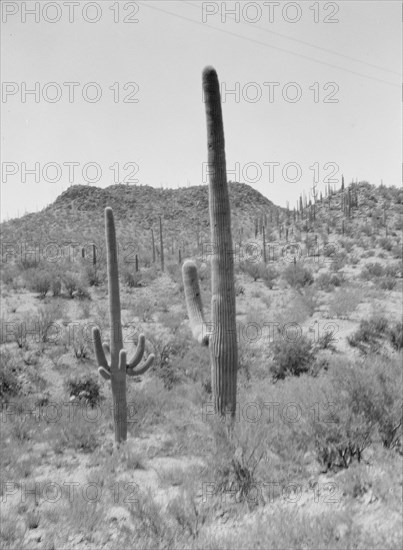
{"type": "Point", "coordinates": [112, 363]}
{"type": "Point", "coordinates": [221, 336]}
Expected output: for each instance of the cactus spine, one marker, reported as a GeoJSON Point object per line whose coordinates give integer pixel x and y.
{"type": "Point", "coordinates": [222, 338]}
{"type": "Point", "coordinates": [111, 359]}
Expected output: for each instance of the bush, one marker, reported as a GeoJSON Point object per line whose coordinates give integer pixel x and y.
{"type": "Point", "coordinates": [38, 280]}
{"type": "Point", "coordinates": [392, 270]}
{"type": "Point", "coordinates": [372, 270]}
{"type": "Point", "coordinates": [131, 278]}
{"type": "Point", "coordinates": [75, 285]}
{"type": "Point", "coordinates": [253, 269]}
{"type": "Point", "coordinates": [368, 337]}
{"type": "Point", "coordinates": [56, 286]}
{"type": "Point", "coordinates": [92, 275]}
{"type": "Point", "coordinates": [85, 389]}
{"type": "Point", "coordinates": [328, 281]}
{"type": "Point", "coordinates": [298, 275]}
{"type": "Point", "coordinates": [9, 384]}
{"type": "Point", "coordinates": [397, 251]}
{"type": "Point", "coordinates": [366, 403]}
{"type": "Point", "coordinates": [269, 274]}
{"type": "Point", "coordinates": [395, 336]}
{"type": "Point", "coordinates": [388, 283]}
{"type": "Point", "coordinates": [385, 243]}
{"type": "Point", "coordinates": [70, 281]}
{"type": "Point", "coordinates": [343, 303]}
{"type": "Point", "coordinates": [291, 358]}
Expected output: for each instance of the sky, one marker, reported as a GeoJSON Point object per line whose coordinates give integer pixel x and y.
{"type": "Point", "coordinates": [310, 91]}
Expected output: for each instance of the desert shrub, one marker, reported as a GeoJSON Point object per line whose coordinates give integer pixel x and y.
{"type": "Point", "coordinates": [131, 278]}
{"type": "Point", "coordinates": [368, 337]}
{"type": "Point", "coordinates": [85, 389]}
{"type": "Point", "coordinates": [239, 289]}
{"type": "Point", "coordinates": [347, 245]}
{"type": "Point", "coordinates": [397, 251]}
{"type": "Point", "coordinates": [70, 281]}
{"type": "Point", "coordinates": [269, 274]}
{"type": "Point", "coordinates": [253, 269]}
{"type": "Point", "coordinates": [38, 280]}
{"type": "Point", "coordinates": [392, 270]}
{"type": "Point", "coordinates": [298, 275]}
{"type": "Point", "coordinates": [56, 286]}
{"type": "Point", "coordinates": [366, 403]}
{"type": "Point", "coordinates": [328, 281]}
{"type": "Point", "coordinates": [291, 358]}
{"type": "Point", "coordinates": [385, 243]}
{"type": "Point", "coordinates": [168, 353]}
{"type": "Point", "coordinates": [339, 261]}
{"type": "Point", "coordinates": [343, 303]}
{"type": "Point", "coordinates": [9, 383]}
{"type": "Point", "coordinates": [395, 335]}
{"type": "Point", "coordinates": [93, 275]}
{"type": "Point", "coordinates": [9, 273]}
{"type": "Point", "coordinates": [144, 308]}
{"type": "Point", "coordinates": [372, 270]}
{"type": "Point", "coordinates": [368, 254]}
{"type": "Point", "coordinates": [175, 272]}
{"type": "Point", "coordinates": [388, 283]}
{"type": "Point", "coordinates": [76, 337]}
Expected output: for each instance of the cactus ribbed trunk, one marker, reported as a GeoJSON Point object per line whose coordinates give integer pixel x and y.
{"type": "Point", "coordinates": [153, 244]}
{"type": "Point", "coordinates": [118, 376]}
{"type": "Point", "coordinates": [223, 340]}
{"type": "Point", "coordinates": [162, 246]}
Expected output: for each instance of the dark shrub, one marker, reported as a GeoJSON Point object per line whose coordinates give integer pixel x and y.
{"type": "Point", "coordinates": [366, 404]}
{"type": "Point", "coordinates": [328, 281]}
{"type": "Point", "coordinates": [38, 280]}
{"type": "Point", "coordinates": [368, 337]}
{"type": "Point", "coordinates": [291, 358]}
{"type": "Point", "coordinates": [85, 389]}
{"type": "Point", "coordinates": [372, 270]}
{"type": "Point", "coordinates": [9, 384]}
{"type": "Point", "coordinates": [298, 275]}
{"type": "Point", "coordinates": [388, 283]}
{"type": "Point", "coordinates": [396, 336]}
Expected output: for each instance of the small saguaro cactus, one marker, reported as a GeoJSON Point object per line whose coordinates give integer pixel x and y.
{"type": "Point", "coordinates": [221, 336]}
{"type": "Point", "coordinates": [112, 363]}
{"type": "Point", "coordinates": [162, 247]}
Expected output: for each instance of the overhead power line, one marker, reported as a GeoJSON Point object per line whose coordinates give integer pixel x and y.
{"type": "Point", "coordinates": [260, 43]}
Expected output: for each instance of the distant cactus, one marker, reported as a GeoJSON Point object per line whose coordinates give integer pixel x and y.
{"type": "Point", "coordinates": [153, 245]}
{"type": "Point", "coordinates": [112, 364]}
{"type": "Point", "coordinates": [162, 247]}
{"type": "Point", "coordinates": [221, 337]}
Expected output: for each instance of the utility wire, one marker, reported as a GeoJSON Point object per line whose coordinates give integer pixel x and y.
{"type": "Point", "coordinates": [308, 44]}
{"type": "Point", "coordinates": [254, 41]}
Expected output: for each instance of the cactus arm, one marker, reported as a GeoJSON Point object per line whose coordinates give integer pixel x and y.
{"type": "Point", "coordinates": [122, 360]}
{"type": "Point", "coordinates": [194, 302]}
{"type": "Point", "coordinates": [99, 349]}
{"type": "Point", "coordinates": [142, 368]}
{"type": "Point", "coordinates": [137, 357]}
{"type": "Point", "coordinates": [106, 375]}
{"type": "Point", "coordinates": [138, 354]}
{"type": "Point", "coordinates": [106, 348]}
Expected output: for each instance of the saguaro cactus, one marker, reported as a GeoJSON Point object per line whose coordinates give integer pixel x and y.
{"type": "Point", "coordinates": [112, 364]}
{"type": "Point", "coordinates": [221, 336]}
{"type": "Point", "coordinates": [162, 247]}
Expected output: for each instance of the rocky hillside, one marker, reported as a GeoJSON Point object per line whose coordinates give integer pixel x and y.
{"type": "Point", "coordinates": [78, 213]}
